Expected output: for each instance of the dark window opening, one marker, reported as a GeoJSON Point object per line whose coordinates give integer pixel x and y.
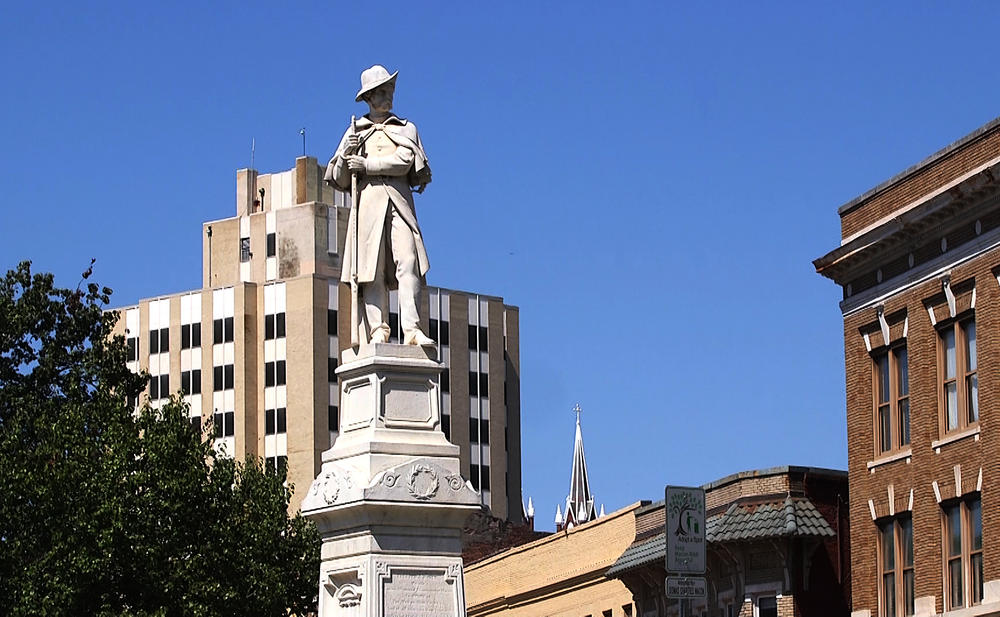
{"type": "Point", "coordinates": [224, 424]}
{"type": "Point", "coordinates": [159, 340]}
{"type": "Point", "coordinates": [279, 464]}
{"type": "Point", "coordinates": [245, 250]}
{"type": "Point", "coordinates": [190, 336]}
{"type": "Point", "coordinates": [394, 327]}
{"type": "Point", "coordinates": [222, 378]}
{"type": "Point", "coordinates": [767, 606]}
{"type": "Point", "coordinates": [275, 421]}
{"type": "Point", "coordinates": [333, 418]}
{"type": "Point", "coordinates": [271, 245]}
{"type": "Point", "coordinates": [474, 475]}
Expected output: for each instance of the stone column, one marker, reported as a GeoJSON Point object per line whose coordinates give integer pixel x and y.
{"type": "Point", "coordinates": [390, 500]}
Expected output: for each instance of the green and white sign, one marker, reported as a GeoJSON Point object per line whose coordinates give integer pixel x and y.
{"type": "Point", "coordinates": [685, 529]}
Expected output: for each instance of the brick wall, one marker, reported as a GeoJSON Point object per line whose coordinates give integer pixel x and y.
{"type": "Point", "coordinates": [945, 169]}
{"type": "Point", "coordinates": [925, 464]}
{"type": "Point", "coordinates": [560, 574]}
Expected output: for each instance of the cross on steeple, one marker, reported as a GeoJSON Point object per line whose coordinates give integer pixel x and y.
{"type": "Point", "coordinates": [577, 411]}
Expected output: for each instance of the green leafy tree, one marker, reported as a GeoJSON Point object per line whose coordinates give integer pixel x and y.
{"type": "Point", "coordinates": [108, 511]}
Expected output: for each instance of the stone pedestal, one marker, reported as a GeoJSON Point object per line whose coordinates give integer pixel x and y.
{"type": "Point", "coordinates": [390, 500]}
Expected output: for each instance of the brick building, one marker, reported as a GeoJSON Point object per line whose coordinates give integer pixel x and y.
{"type": "Point", "coordinates": [560, 575]}
{"type": "Point", "coordinates": [255, 348]}
{"type": "Point", "coordinates": [918, 262]}
{"type": "Point", "coordinates": [777, 546]}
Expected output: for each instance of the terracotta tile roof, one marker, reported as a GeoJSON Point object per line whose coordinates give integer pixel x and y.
{"type": "Point", "coordinates": [796, 517]}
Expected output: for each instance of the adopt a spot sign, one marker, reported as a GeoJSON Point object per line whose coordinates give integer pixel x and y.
{"type": "Point", "coordinates": [685, 529]}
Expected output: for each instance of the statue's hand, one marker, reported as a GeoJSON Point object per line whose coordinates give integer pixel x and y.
{"type": "Point", "coordinates": [352, 143]}
{"type": "Point", "coordinates": [355, 163]}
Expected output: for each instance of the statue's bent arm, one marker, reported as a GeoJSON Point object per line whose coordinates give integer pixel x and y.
{"type": "Point", "coordinates": [396, 164]}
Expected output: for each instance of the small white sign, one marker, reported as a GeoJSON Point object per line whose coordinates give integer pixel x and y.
{"type": "Point", "coordinates": [685, 529]}
{"type": "Point", "coordinates": [682, 587]}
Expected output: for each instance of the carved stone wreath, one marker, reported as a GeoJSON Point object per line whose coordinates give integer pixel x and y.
{"type": "Point", "coordinates": [423, 482]}
{"type": "Point", "coordinates": [331, 488]}
{"type": "Point", "coordinates": [333, 482]}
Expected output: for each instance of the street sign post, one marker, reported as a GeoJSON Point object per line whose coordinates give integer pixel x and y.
{"type": "Point", "coordinates": [686, 587]}
{"type": "Point", "coordinates": [685, 529]}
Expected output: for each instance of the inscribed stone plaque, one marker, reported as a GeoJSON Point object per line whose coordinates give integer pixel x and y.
{"type": "Point", "coordinates": [407, 403]}
{"type": "Point", "coordinates": [357, 405]}
{"type": "Point", "coordinates": [408, 593]}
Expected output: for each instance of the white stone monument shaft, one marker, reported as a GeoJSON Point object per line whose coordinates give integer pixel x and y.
{"type": "Point", "coordinates": [390, 500]}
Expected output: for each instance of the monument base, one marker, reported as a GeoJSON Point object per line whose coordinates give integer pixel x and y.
{"type": "Point", "coordinates": [390, 500]}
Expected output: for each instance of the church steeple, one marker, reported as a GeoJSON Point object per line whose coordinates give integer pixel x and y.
{"type": "Point", "coordinates": [580, 501]}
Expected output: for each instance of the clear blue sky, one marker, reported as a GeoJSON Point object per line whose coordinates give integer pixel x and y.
{"type": "Point", "coordinates": [648, 182]}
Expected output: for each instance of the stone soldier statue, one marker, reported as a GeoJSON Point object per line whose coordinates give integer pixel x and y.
{"type": "Point", "coordinates": [384, 154]}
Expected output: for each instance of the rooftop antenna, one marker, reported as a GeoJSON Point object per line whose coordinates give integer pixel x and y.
{"type": "Point", "coordinates": [302, 132]}
{"type": "Point", "coordinates": [253, 144]}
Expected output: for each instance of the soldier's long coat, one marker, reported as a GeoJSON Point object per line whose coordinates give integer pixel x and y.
{"type": "Point", "coordinates": [387, 182]}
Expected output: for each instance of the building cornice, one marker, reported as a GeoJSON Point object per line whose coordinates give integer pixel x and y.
{"type": "Point", "coordinates": [924, 164]}
{"type": "Point", "coordinates": [912, 226]}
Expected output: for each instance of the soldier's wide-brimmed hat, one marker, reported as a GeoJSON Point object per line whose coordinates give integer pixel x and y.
{"type": "Point", "coordinates": [373, 78]}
